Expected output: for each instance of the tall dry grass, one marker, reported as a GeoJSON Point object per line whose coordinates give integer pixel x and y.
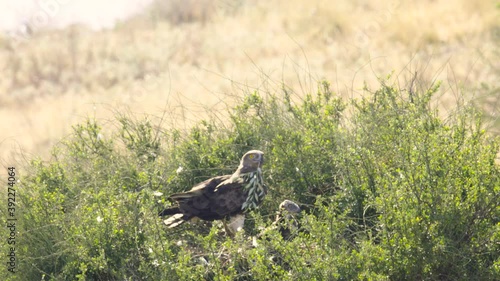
{"type": "Point", "coordinates": [187, 59]}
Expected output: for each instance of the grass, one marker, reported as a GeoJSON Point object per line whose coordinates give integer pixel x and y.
{"type": "Point", "coordinates": [160, 61]}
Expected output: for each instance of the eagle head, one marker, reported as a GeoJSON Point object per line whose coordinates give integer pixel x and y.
{"type": "Point", "coordinates": [290, 206]}
{"type": "Point", "coordinates": [251, 161]}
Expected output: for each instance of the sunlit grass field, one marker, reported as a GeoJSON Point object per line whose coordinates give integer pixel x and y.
{"type": "Point", "coordinates": [184, 60]}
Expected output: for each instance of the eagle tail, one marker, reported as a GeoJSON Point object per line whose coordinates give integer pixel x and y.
{"type": "Point", "coordinates": [175, 220]}
{"type": "Point", "coordinates": [177, 217]}
{"type": "Point", "coordinates": [169, 211]}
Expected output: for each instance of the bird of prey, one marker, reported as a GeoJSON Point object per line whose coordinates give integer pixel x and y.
{"type": "Point", "coordinates": [285, 219]}
{"type": "Point", "coordinates": [226, 197]}
{"type": "Point", "coordinates": [285, 222]}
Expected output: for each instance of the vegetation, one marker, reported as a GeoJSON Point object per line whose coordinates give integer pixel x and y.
{"type": "Point", "coordinates": [390, 191]}
{"type": "Point", "coordinates": [180, 52]}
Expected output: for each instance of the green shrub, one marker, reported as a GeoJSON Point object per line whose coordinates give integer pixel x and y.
{"type": "Point", "coordinates": [389, 190]}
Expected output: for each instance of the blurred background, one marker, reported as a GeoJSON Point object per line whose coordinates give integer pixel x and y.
{"type": "Point", "coordinates": [65, 60]}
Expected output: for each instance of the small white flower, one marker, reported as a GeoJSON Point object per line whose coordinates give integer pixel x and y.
{"type": "Point", "coordinates": [99, 219]}
{"type": "Point", "coordinates": [179, 170]}
{"type": "Point", "coordinates": [150, 250]}
{"type": "Point", "coordinates": [254, 242]}
{"type": "Point", "coordinates": [297, 169]}
{"type": "Point", "coordinates": [155, 263]}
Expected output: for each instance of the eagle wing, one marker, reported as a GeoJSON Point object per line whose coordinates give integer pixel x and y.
{"type": "Point", "coordinates": [204, 186]}
{"type": "Point", "coordinates": [228, 198]}
{"type": "Point", "coordinates": [213, 199]}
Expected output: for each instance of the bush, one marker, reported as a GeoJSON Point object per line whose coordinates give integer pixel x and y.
{"type": "Point", "coordinates": [390, 192]}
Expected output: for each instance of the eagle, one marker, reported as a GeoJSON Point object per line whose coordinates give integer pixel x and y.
{"type": "Point", "coordinates": [224, 198]}
{"type": "Point", "coordinates": [286, 219]}
{"type": "Point", "coordinates": [286, 222]}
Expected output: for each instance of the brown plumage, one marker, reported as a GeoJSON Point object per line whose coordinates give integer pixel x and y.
{"type": "Point", "coordinates": [222, 197]}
